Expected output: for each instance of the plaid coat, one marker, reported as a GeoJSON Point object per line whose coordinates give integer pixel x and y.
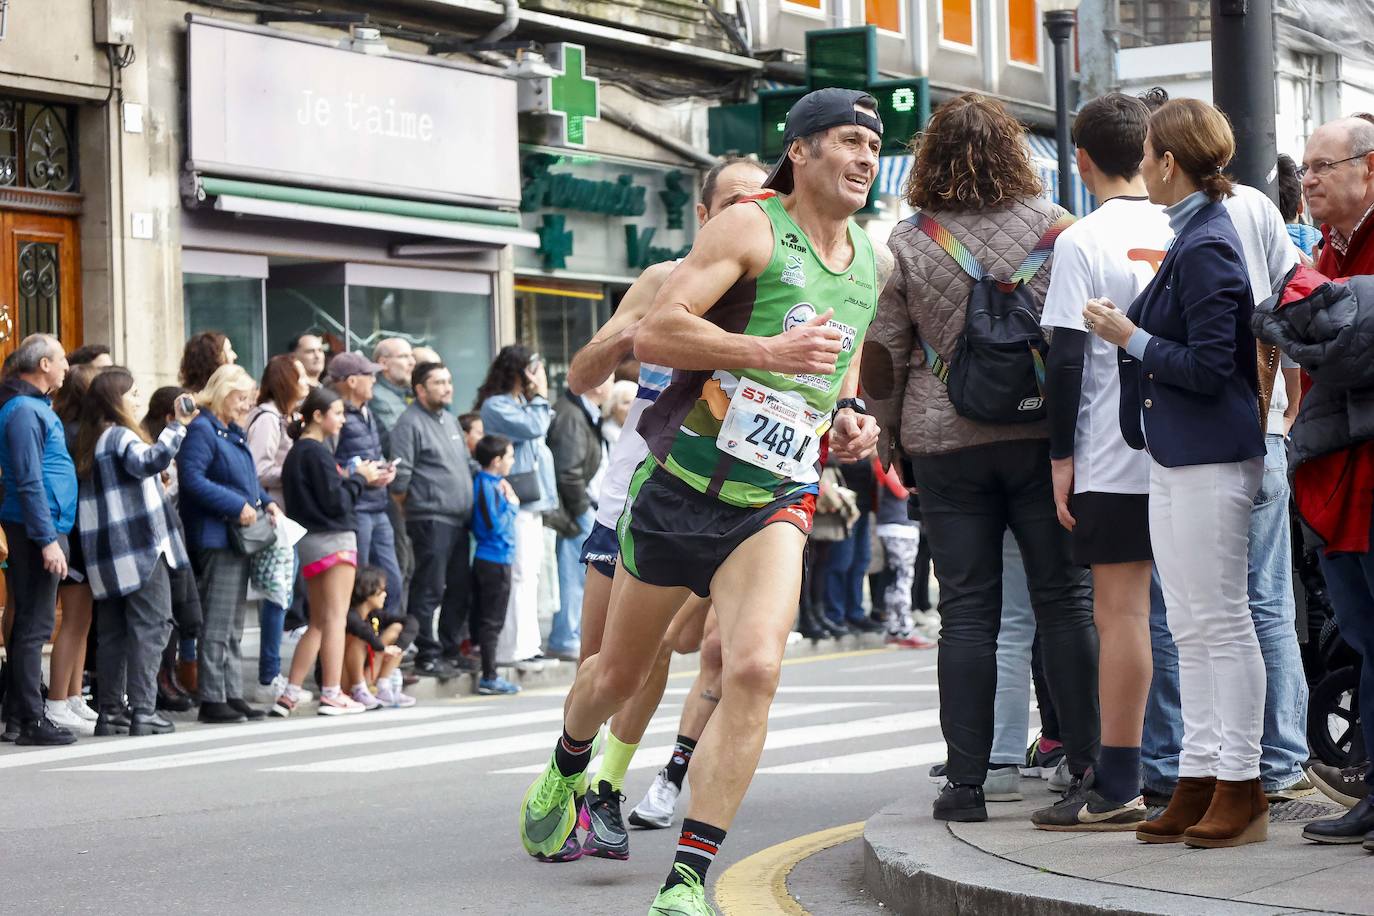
{"type": "Point", "coordinates": [124, 514]}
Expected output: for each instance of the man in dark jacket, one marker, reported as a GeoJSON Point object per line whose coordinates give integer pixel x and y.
{"type": "Point", "coordinates": [434, 488]}
{"type": "Point", "coordinates": [361, 437]}
{"type": "Point", "coordinates": [575, 441]}
{"type": "Point", "coordinates": [37, 513]}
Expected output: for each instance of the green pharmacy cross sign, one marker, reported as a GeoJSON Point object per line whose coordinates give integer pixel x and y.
{"type": "Point", "coordinates": [846, 58]}
{"type": "Point", "coordinates": [574, 97]}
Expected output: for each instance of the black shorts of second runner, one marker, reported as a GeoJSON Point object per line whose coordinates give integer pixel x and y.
{"type": "Point", "coordinates": [673, 536]}
{"type": "Point", "coordinates": [1111, 528]}
{"type": "Point", "coordinates": [600, 550]}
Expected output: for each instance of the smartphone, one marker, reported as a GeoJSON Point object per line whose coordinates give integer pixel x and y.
{"type": "Point", "coordinates": [186, 404]}
{"type": "Point", "coordinates": [396, 462]}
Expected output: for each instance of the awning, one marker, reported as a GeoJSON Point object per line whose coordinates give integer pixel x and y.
{"type": "Point", "coordinates": [893, 172]}
{"type": "Point", "coordinates": [495, 228]}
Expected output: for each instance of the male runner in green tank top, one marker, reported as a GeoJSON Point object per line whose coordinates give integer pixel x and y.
{"type": "Point", "coordinates": [762, 323]}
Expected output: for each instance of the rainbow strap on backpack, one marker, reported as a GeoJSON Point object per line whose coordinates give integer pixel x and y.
{"type": "Point", "coordinates": [969, 264]}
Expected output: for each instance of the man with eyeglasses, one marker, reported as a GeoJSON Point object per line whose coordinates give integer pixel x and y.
{"type": "Point", "coordinates": [1338, 178]}
{"type": "Point", "coordinates": [1334, 493]}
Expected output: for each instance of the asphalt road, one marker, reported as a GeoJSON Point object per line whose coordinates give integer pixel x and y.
{"type": "Point", "coordinates": [414, 811]}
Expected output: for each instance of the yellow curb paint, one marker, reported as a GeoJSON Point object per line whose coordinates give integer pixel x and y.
{"type": "Point", "coordinates": [805, 659]}
{"type": "Point", "coordinates": [757, 886]}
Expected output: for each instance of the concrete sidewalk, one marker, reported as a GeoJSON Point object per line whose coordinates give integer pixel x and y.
{"type": "Point", "coordinates": [915, 864]}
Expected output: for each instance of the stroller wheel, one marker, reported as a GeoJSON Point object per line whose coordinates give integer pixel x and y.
{"type": "Point", "coordinates": [1333, 719]}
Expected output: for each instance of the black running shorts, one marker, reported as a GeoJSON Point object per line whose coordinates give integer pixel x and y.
{"type": "Point", "coordinates": [675, 537]}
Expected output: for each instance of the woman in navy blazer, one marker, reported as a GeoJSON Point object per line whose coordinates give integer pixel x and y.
{"type": "Point", "coordinates": [219, 489]}
{"type": "Point", "coordinates": [1189, 396]}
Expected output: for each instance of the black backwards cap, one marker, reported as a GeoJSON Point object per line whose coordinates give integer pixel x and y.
{"type": "Point", "coordinates": [815, 112]}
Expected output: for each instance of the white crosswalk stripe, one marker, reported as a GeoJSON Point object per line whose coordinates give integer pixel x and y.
{"type": "Point", "coordinates": [102, 747]}
{"type": "Point", "coordinates": [494, 747]}
{"type": "Point", "coordinates": [864, 763]}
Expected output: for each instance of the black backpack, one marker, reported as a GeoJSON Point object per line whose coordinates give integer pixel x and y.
{"type": "Point", "coordinates": [997, 372]}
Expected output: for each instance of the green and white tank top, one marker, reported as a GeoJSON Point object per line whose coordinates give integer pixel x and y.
{"type": "Point", "coordinates": [747, 436]}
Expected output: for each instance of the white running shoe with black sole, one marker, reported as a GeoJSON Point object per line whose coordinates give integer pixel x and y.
{"type": "Point", "coordinates": [655, 812]}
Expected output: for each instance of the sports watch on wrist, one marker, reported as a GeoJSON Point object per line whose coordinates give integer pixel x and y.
{"type": "Point", "coordinates": [855, 404]}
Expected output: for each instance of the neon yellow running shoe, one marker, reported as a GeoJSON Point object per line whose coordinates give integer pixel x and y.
{"type": "Point", "coordinates": [685, 899]}
{"type": "Point", "coordinates": [548, 814]}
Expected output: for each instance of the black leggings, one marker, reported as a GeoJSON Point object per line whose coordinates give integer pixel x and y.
{"type": "Point", "coordinates": [490, 595]}
{"type": "Point", "coordinates": [968, 500]}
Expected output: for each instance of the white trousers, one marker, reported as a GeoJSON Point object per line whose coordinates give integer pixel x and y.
{"type": "Point", "coordinates": [1199, 529]}
{"type": "Point", "coordinates": [520, 638]}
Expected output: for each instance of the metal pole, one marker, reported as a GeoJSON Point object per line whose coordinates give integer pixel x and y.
{"type": "Point", "coordinates": [1243, 87]}
{"type": "Point", "coordinates": [1059, 23]}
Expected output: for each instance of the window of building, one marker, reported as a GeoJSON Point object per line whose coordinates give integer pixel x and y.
{"type": "Point", "coordinates": [885, 14]}
{"type": "Point", "coordinates": [555, 320]}
{"type": "Point", "coordinates": [1023, 32]}
{"type": "Point", "coordinates": [232, 306]}
{"type": "Point", "coordinates": [817, 6]}
{"type": "Point", "coordinates": [1164, 22]}
{"type": "Point", "coordinates": [956, 22]}
{"type": "Point", "coordinates": [37, 145]}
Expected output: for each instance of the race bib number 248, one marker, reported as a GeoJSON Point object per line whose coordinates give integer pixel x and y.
{"type": "Point", "coordinates": [775, 430]}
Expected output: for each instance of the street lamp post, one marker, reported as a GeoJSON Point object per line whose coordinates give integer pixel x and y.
{"type": "Point", "coordinates": [1060, 16]}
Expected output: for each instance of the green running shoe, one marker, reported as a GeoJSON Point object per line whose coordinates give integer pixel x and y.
{"type": "Point", "coordinates": [548, 814]}
{"type": "Point", "coordinates": [685, 899]}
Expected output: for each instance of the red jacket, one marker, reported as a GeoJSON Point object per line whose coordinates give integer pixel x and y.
{"type": "Point", "coordinates": [1335, 493]}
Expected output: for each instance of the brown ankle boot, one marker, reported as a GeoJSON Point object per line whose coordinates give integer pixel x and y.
{"type": "Point", "coordinates": [1239, 814]}
{"type": "Point", "coordinates": [188, 675]}
{"type": "Point", "coordinates": [1189, 803]}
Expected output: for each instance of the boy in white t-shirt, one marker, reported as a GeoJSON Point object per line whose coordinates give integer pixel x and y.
{"type": "Point", "coordinates": [1101, 484]}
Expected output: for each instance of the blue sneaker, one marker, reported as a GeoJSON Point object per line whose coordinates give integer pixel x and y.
{"type": "Point", "coordinates": [496, 686]}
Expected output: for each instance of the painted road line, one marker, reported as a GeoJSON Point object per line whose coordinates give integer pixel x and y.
{"type": "Point", "coordinates": [801, 660]}
{"type": "Point", "coordinates": [757, 886]}
{"type": "Point", "coordinates": [885, 666]}
{"type": "Point", "coordinates": [318, 742]}
{"type": "Point", "coordinates": [204, 734]}
{"type": "Point", "coordinates": [802, 736]}
{"type": "Point", "coordinates": [494, 747]}
{"type": "Point", "coordinates": [863, 764]}
{"type": "Point", "coordinates": [836, 689]}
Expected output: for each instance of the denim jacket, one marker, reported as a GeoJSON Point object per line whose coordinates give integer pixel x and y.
{"type": "Point", "coordinates": [525, 423]}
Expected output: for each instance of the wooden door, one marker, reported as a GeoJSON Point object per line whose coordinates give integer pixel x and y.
{"type": "Point", "coordinates": [40, 278]}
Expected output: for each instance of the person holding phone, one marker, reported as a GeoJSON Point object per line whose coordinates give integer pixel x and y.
{"type": "Point", "coordinates": [514, 402]}
{"type": "Point", "coordinates": [130, 555]}
{"type": "Point", "coordinates": [323, 498]}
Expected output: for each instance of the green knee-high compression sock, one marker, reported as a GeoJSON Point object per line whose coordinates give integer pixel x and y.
{"type": "Point", "coordinates": [615, 762]}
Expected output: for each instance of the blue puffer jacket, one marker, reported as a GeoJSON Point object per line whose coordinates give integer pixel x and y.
{"type": "Point", "coordinates": [216, 477]}
{"type": "Point", "coordinates": [361, 437]}
{"type": "Point", "coordinates": [35, 466]}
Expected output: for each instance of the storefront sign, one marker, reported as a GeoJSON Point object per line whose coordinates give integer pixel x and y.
{"type": "Point", "coordinates": [598, 217]}
{"type": "Point", "coordinates": [570, 98]}
{"type": "Point", "coordinates": [303, 112]}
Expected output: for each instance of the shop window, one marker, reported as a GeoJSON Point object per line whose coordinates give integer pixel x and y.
{"type": "Point", "coordinates": [956, 22]}
{"type": "Point", "coordinates": [1164, 22]}
{"type": "Point", "coordinates": [232, 306]}
{"type": "Point", "coordinates": [457, 325]}
{"type": "Point", "coordinates": [37, 146]}
{"type": "Point", "coordinates": [885, 14]}
{"type": "Point", "coordinates": [557, 321]}
{"type": "Point", "coordinates": [1023, 32]}
{"type": "Point", "coordinates": [296, 307]}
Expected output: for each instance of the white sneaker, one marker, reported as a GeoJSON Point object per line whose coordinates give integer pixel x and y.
{"type": "Point", "coordinates": [656, 810]}
{"type": "Point", "coordinates": [82, 709]}
{"type": "Point", "coordinates": [340, 705]}
{"type": "Point", "coordinates": [278, 687]}
{"type": "Point", "coordinates": [61, 714]}
{"type": "Point", "coordinates": [364, 696]}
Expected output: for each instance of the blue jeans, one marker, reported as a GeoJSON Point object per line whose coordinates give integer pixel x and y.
{"type": "Point", "coordinates": [844, 576]}
{"type": "Point", "coordinates": [1284, 744]}
{"type": "Point", "coordinates": [1011, 711]}
{"type": "Point", "coordinates": [271, 622]}
{"type": "Point", "coordinates": [566, 635]}
{"type": "Point", "coordinates": [377, 547]}
{"type": "Point", "coordinates": [1350, 584]}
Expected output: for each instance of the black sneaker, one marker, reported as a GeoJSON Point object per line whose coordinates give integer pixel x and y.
{"type": "Point", "coordinates": [963, 804]}
{"type": "Point", "coordinates": [1039, 763]}
{"type": "Point", "coordinates": [937, 773]}
{"type": "Point", "coordinates": [1086, 810]}
{"type": "Point", "coordinates": [43, 732]}
{"type": "Point", "coordinates": [607, 837]}
{"type": "Point", "coordinates": [1345, 786]}
{"type": "Point", "coordinates": [434, 667]}
{"type": "Point", "coordinates": [1350, 827]}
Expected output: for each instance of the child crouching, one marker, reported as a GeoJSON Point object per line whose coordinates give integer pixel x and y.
{"type": "Point", "coordinates": [372, 653]}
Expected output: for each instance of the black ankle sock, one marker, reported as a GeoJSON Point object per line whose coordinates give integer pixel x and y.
{"type": "Point", "coordinates": [697, 846]}
{"type": "Point", "coordinates": [676, 770]}
{"type": "Point", "coordinates": [572, 756]}
{"type": "Point", "coordinates": [1117, 774]}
